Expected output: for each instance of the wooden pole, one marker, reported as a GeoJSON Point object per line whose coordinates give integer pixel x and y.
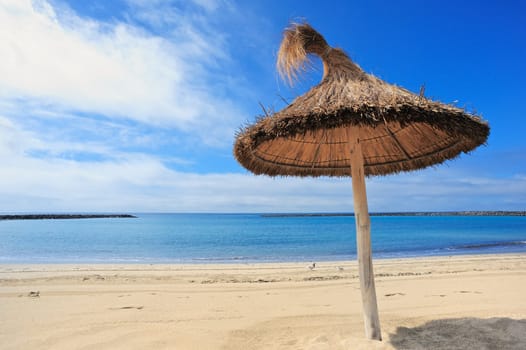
{"type": "Point", "coordinates": [363, 240]}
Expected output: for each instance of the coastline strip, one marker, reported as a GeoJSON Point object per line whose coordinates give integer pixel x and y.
{"type": "Point", "coordinates": [415, 213]}
{"type": "Point", "coordinates": [63, 216]}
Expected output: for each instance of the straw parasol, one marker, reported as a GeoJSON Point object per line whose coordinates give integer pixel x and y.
{"type": "Point", "coordinates": [353, 124]}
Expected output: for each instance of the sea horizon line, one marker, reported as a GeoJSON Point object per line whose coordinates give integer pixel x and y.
{"type": "Point", "coordinates": [95, 215]}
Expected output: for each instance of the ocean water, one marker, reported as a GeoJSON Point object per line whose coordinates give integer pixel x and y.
{"type": "Point", "coordinates": [240, 238]}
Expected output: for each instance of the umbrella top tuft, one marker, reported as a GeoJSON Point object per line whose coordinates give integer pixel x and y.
{"type": "Point", "coordinates": [299, 40]}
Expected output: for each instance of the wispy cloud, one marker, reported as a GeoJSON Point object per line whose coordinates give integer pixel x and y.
{"type": "Point", "coordinates": [55, 58]}
{"type": "Point", "coordinates": [141, 182]}
{"type": "Point", "coordinates": [447, 189]}
{"type": "Point", "coordinates": [87, 106]}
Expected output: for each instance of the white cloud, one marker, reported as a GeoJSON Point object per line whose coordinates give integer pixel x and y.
{"type": "Point", "coordinates": [138, 182]}
{"type": "Point", "coordinates": [141, 183]}
{"type": "Point", "coordinates": [447, 189]}
{"type": "Point", "coordinates": [114, 69]}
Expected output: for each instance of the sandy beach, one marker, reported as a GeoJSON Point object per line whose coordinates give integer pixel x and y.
{"type": "Point", "coordinates": [462, 302]}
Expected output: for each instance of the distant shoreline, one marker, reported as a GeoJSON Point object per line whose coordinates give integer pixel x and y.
{"type": "Point", "coordinates": [431, 213]}
{"type": "Point", "coordinates": [272, 215]}
{"type": "Point", "coordinates": [63, 216]}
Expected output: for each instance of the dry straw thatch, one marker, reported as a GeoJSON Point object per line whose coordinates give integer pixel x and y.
{"type": "Point", "coordinates": [398, 130]}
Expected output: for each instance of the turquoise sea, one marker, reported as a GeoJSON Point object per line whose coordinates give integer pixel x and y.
{"type": "Point", "coordinates": [240, 238]}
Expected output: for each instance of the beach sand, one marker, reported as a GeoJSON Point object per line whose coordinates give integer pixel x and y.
{"type": "Point", "coordinates": [464, 302]}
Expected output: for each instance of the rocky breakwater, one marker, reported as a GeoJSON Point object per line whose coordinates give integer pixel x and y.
{"type": "Point", "coordinates": [62, 216]}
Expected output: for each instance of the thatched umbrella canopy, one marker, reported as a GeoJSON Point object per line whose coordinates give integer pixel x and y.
{"type": "Point", "coordinates": [353, 124]}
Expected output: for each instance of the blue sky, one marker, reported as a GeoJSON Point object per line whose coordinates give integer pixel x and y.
{"type": "Point", "coordinates": [132, 105]}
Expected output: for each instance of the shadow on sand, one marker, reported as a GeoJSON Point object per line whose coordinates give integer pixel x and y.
{"type": "Point", "coordinates": [463, 333]}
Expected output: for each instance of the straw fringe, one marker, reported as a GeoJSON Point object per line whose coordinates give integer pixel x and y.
{"type": "Point", "coordinates": [282, 147]}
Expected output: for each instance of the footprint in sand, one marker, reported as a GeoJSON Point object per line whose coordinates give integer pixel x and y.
{"type": "Point", "coordinates": [127, 308]}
